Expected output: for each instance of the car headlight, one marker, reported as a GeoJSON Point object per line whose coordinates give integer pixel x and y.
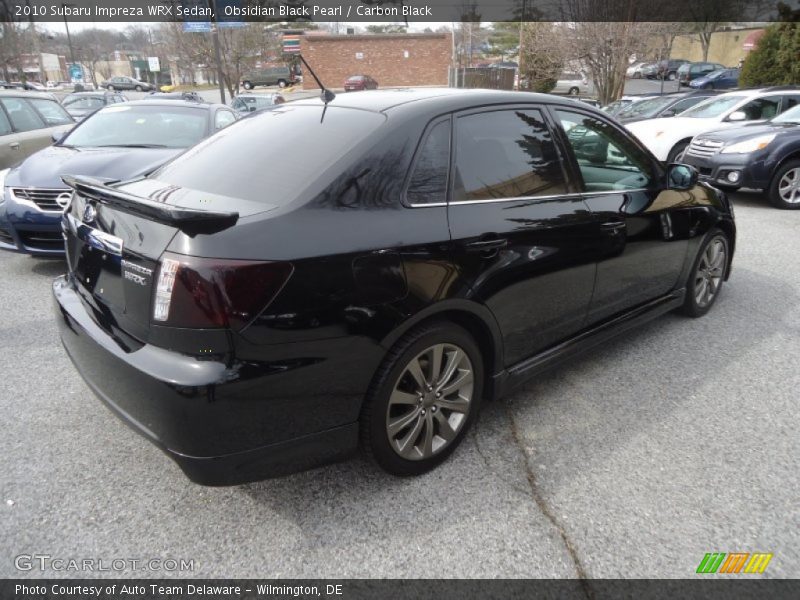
{"type": "Point", "coordinates": [748, 146]}
{"type": "Point", "coordinates": [3, 174]}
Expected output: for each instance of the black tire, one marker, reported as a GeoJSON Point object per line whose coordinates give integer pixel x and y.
{"type": "Point", "coordinates": [138, 88]}
{"type": "Point", "coordinates": [773, 193]}
{"type": "Point", "coordinates": [676, 152]}
{"type": "Point", "coordinates": [281, 83]}
{"type": "Point", "coordinates": [573, 91]}
{"type": "Point", "coordinates": [392, 375]}
{"type": "Point", "coordinates": [247, 85]}
{"type": "Point", "coordinates": [692, 305]}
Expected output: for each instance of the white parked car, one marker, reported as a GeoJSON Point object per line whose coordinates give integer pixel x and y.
{"type": "Point", "coordinates": [572, 84]}
{"type": "Point", "coordinates": [667, 138]}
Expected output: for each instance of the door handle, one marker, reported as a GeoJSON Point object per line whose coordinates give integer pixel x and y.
{"type": "Point", "coordinates": [613, 227]}
{"type": "Point", "coordinates": [486, 245]}
{"type": "Point", "coordinates": [14, 145]}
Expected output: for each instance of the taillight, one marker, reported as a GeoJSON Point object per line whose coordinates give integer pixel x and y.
{"type": "Point", "coordinates": [212, 292]}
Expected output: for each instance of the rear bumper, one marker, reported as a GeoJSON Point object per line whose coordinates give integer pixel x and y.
{"type": "Point", "coordinates": [214, 425]}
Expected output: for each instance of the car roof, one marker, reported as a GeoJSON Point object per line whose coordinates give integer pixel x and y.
{"type": "Point", "coordinates": [441, 98]}
{"type": "Point", "coordinates": [20, 93]}
{"type": "Point", "coordinates": [170, 103]}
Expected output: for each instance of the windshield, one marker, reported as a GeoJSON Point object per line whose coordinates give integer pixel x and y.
{"type": "Point", "coordinates": [141, 126]}
{"type": "Point", "coordinates": [645, 108]}
{"type": "Point", "coordinates": [715, 74]}
{"type": "Point", "coordinates": [83, 102]}
{"type": "Point", "coordinates": [712, 108]}
{"type": "Point", "coordinates": [790, 116]}
{"type": "Point", "coordinates": [266, 172]}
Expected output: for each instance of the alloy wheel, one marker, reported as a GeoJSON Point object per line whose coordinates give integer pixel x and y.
{"type": "Point", "coordinates": [430, 402]}
{"type": "Point", "coordinates": [789, 186]}
{"type": "Point", "coordinates": [710, 271]}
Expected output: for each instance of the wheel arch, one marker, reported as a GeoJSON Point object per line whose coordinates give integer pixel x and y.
{"type": "Point", "coordinates": [728, 228]}
{"type": "Point", "coordinates": [479, 322]}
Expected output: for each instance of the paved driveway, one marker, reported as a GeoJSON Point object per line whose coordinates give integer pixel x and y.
{"type": "Point", "coordinates": [675, 440]}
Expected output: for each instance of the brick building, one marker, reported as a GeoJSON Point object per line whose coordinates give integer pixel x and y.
{"type": "Point", "coordinates": [391, 59]}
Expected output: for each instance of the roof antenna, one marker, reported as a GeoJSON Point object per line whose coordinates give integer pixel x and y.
{"type": "Point", "coordinates": [326, 94]}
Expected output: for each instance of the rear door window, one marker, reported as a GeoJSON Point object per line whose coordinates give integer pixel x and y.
{"type": "Point", "coordinates": [506, 154]}
{"type": "Point", "coordinates": [428, 182]}
{"type": "Point", "coordinates": [22, 115]}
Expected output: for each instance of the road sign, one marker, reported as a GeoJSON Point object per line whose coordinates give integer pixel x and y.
{"type": "Point", "coordinates": [291, 43]}
{"type": "Point", "coordinates": [153, 64]}
{"type": "Point", "coordinates": [75, 73]}
{"type": "Point", "coordinates": [197, 26]}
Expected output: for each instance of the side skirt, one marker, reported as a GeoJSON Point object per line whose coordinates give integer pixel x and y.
{"type": "Point", "coordinates": [514, 376]}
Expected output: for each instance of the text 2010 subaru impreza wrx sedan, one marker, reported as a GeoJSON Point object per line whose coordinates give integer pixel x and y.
{"type": "Point", "coordinates": [254, 311]}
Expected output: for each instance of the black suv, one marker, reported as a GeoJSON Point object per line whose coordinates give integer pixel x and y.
{"type": "Point", "coordinates": [254, 311]}
{"type": "Point", "coordinates": [764, 156]}
{"type": "Point", "coordinates": [668, 69]}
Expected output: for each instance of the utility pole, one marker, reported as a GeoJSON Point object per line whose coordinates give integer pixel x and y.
{"type": "Point", "coordinates": [69, 38]}
{"type": "Point", "coordinates": [217, 53]}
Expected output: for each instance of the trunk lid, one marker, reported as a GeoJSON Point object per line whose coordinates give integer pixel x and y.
{"type": "Point", "coordinates": [115, 237]}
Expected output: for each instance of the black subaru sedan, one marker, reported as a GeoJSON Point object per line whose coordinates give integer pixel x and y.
{"type": "Point", "coordinates": [254, 311]}
{"type": "Point", "coordinates": [762, 156]}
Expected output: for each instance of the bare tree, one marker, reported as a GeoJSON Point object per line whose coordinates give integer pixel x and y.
{"type": "Point", "coordinates": [241, 48]}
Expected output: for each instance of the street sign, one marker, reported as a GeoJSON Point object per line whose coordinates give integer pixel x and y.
{"type": "Point", "coordinates": [153, 64]}
{"type": "Point", "coordinates": [75, 73]}
{"type": "Point", "coordinates": [197, 26]}
{"type": "Point", "coordinates": [291, 43]}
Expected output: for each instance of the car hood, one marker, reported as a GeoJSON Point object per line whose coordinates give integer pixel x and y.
{"type": "Point", "coordinates": [674, 127]}
{"type": "Point", "coordinates": [745, 132]}
{"type": "Point", "coordinates": [46, 167]}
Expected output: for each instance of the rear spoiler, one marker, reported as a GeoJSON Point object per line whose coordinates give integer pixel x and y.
{"type": "Point", "coordinates": [189, 220]}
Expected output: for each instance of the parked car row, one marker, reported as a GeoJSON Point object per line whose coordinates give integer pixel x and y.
{"type": "Point", "coordinates": [745, 138]}
{"type": "Point", "coordinates": [713, 75]}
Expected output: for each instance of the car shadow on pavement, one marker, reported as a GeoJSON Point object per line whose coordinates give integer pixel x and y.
{"type": "Point", "coordinates": [49, 267]}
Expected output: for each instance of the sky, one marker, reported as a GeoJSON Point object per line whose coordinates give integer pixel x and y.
{"type": "Point", "coordinates": [58, 26]}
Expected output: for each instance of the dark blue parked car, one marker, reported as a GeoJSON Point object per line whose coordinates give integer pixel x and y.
{"type": "Point", "coordinates": [721, 79]}
{"type": "Point", "coordinates": [118, 142]}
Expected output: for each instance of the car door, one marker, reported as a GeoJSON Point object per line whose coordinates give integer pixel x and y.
{"type": "Point", "coordinates": [641, 228]}
{"type": "Point", "coordinates": [520, 238]}
{"type": "Point", "coordinates": [30, 131]}
{"type": "Point", "coordinates": [8, 142]}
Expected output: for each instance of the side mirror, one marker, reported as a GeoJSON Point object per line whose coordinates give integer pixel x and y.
{"type": "Point", "coordinates": [668, 113]}
{"type": "Point", "coordinates": [681, 177]}
{"type": "Point", "coordinates": [737, 115]}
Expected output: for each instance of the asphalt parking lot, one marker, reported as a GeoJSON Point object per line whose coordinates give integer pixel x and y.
{"type": "Point", "coordinates": [677, 439]}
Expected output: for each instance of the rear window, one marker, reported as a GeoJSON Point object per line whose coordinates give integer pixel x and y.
{"type": "Point", "coordinates": [243, 160]}
{"type": "Point", "coordinates": [141, 126]}
{"type": "Point", "coordinates": [83, 102]}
